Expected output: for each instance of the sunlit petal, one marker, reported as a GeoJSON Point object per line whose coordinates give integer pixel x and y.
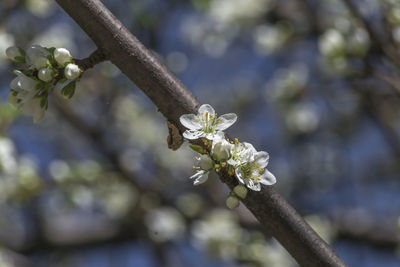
{"type": "Point", "coordinates": [190, 121]}
{"type": "Point", "coordinates": [225, 121]}
{"type": "Point", "coordinates": [267, 178]}
{"type": "Point", "coordinates": [206, 108]}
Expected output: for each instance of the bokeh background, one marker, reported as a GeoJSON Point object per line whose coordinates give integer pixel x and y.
{"type": "Point", "coordinates": [94, 184]}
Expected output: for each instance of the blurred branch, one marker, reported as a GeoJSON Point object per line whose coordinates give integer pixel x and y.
{"type": "Point", "coordinates": [7, 6]}
{"type": "Point", "coordinates": [375, 108]}
{"type": "Point", "coordinates": [359, 224]}
{"type": "Point", "coordinates": [379, 44]}
{"type": "Point", "coordinates": [173, 99]}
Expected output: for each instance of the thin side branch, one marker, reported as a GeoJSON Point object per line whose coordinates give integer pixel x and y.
{"type": "Point", "coordinates": [380, 45]}
{"type": "Point", "coordinates": [95, 58]}
{"type": "Point", "coordinates": [173, 99]}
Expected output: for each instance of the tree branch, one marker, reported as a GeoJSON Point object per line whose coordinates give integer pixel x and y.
{"type": "Point", "coordinates": [95, 58]}
{"type": "Point", "coordinates": [380, 45]}
{"type": "Point", "coordinates": [173, 99]}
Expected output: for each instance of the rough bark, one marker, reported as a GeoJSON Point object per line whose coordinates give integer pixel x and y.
{"type": "Point", "coordinates": [173, 99]}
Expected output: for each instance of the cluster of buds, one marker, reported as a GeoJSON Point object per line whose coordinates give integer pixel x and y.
{"type": "Point", "coordinates": [218, 153]}
{"type": "Point", "coordinates": [39, 71]}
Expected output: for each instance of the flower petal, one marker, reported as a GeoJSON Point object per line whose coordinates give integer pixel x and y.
{"type": "Point", "coordinates": [206, 108]}
{"type": "Point", "coordinates": [262, 158]}
{"type": "Point", "coordinates": [233, 162]}
{"type": "Point", "coordinates": [197, 174]}
{"type": "Point", "coordinates": [200, 177]}
{"type": "Point", "coordinates": [240, 175]}
{"type": "Point", "coordinates": [253, 184]}
{"type": "Point", "coordinates": [192, 135]}
{"type": "Point", "coordinates": [210, 136]}
{"type": "Point", "coordinates": [250, 147]}
{"type": "Point", "coordinates": [225, 121]}
{"type": "Point", "coordinates": [190, 121]}
{"type": "Point", "coordinates": [267, 178]}
{"type": "Point", "coordinates": [32, 108]}
{"type": "Point", "coordinates": [218, 137]}
{"type": "Point", "coordinates": [248, 153]}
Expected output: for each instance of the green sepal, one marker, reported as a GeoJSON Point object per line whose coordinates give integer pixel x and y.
{"type": "Point", "coordinates": [51, 49]}
{"type": "Point", "coordinates": [44, 103]}
{"type": "Point", "coordinates": [22, 51]}
{"type": "Point", "coordinates": [69, 90]}
{"type": "Point", "coordinates": [197, 148]}
{"type": "Point", "coordinates": [40, 85]}
{"type": "Point", "coordinates": [19, 59]}
{"type": "Point", "coordinates": [63, 80]}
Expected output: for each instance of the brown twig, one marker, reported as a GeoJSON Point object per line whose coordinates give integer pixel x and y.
{"type": "Point", "coordinates": [95, 58]}
{"type": "Point", "coordinates": [173, 99]}
{"type": "Point", "coordinates": [378, 44]}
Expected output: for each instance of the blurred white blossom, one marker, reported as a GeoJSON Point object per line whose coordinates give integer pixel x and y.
{"type": "Point", "coordinates": [165, 224]}
{"type": "Point", "coordinates": [303, 118]}
{"type": "Point", "coordinates": [332, 43]}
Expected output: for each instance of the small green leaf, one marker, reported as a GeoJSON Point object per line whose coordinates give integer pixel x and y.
{"type": "Point", "coordinates": [40, 85]}
{"type": "Point", "coordinates": [51, 49]}
{"type": "Point", "coordinates": [19, 59]}
{"type": "Point", "coordinates": [197, 148]}
{"type": "Point", "coordinates": [44, 103]}
{"type": "Point", "coordinates": [63, 80]}
{"type": "Point", "coordinates": [52, 61]}
{"type": "Point", "coordinates": [21, 51]}
{"type": "Point", "coordinates": [69, 90]}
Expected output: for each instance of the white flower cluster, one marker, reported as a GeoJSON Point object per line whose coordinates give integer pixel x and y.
{"type": "Point", "coordinates": [241, 159]}
{"type": "Point", "coordinates": [41, 69]}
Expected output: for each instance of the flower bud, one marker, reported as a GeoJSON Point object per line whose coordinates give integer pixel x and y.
{"type": "Point", "coordinates": [240, 191]}
{"type": "Point", "coordinates": [34, 52]}
{"type": "Point", "coordinates": [15, 84]}
{"type": "Point", "coordinates": [40, 62]}
{"type": "Point", "coordinates": [206, 163]}
{"type": "Point", "coordinates": [232, 202]}
{"type": "Point", "coordinates": [22, 82]}
{"type": "Point", "coordinates": [222, 150]}
{"type": "Point", "coordinates": [72, 71]}
{"type": "Point", "coordinates": [12, 52]}
{"type": "Point", "coordinates": [45, 74]}
{"type": "Point", "coordinates": [62, 56]}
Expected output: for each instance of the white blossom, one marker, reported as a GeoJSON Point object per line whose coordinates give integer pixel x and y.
{"type": "Point", "coordinates": [22, 82]}
{"type": "Point", "coordinates": [34, 53]}
{"type": "Point", "coordinates": [23, 96]}
{"type": "Point", "coordinates": [72, 71]}
{"type": "Point", "coordinates": [241, 153]}
{"type": "Point", "coordinates": [221, 147]}
{"type": "Point", "coordinates": [23, 89]}
{"type": "Point", "coordinates": [206, 123]}
{"type": "Point", "coordinates": [62, 56]}
{"type": "Point", "coordinates": [332, 42]}
{"type": "Point", "coordinates": [254, 173]}
{"type": "Point", "coordinates": [45, 74]}
{"type": "Point", "coordinates": [12, 52]}
{"type": "Point", "coordinates": [41, 62]}
{"type": "Point", "coordinates": [205, 165]}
